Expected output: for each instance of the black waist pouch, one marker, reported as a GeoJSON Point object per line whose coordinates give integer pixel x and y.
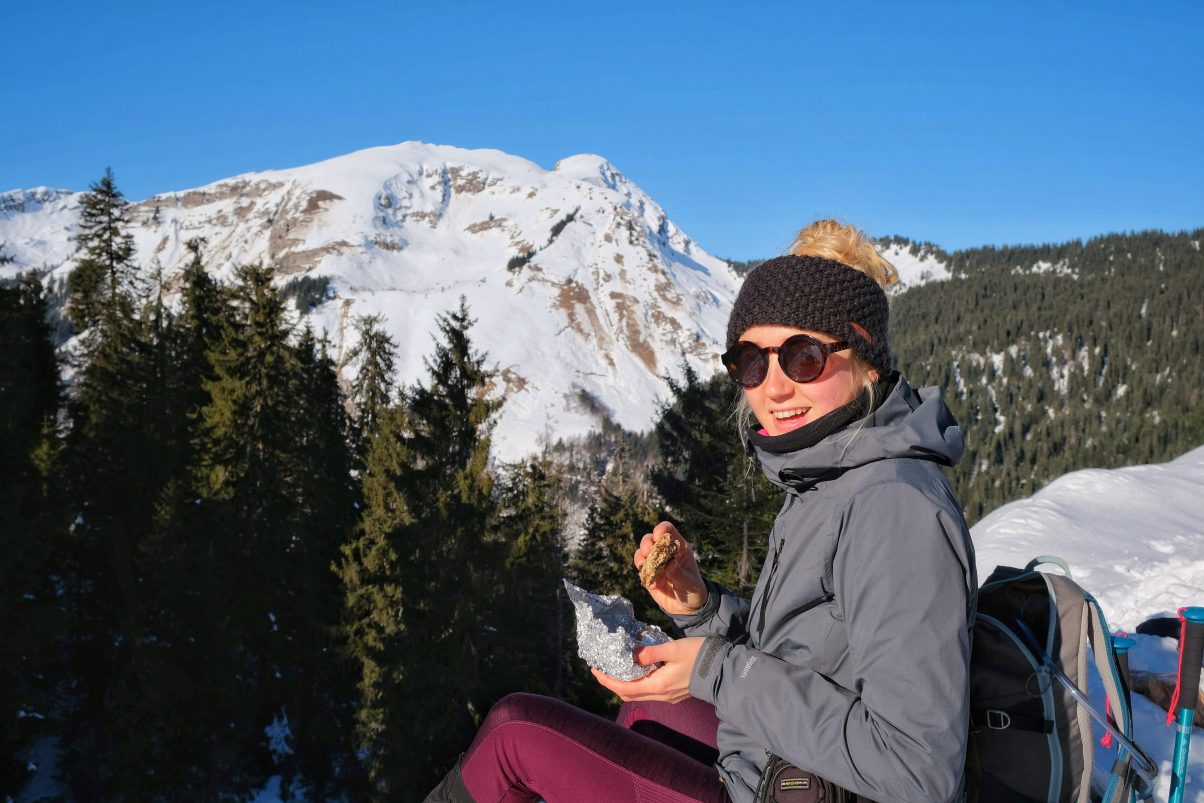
{"type": "Point", "coordinates": [782, 782]}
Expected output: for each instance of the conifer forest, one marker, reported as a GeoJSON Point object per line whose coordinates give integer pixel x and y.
{"type": "Point", "coordinates": [222, 565]}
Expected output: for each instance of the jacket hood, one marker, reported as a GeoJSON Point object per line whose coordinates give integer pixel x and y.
{"type": "Point", "coordinates": [907, 424]}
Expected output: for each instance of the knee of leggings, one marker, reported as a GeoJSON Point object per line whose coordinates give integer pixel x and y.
{"type": "Point", "coordinates": [631, 713]}
{"type": "Point", "coordinates": [517, 707]}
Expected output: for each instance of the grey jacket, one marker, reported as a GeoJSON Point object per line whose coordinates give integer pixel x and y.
{"type": "Point", "coordinates": [852, 660]}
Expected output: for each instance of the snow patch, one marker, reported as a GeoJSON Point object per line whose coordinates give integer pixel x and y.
{"type": "Point", "coordinates": [280, 737]}
{"type": "Point", "coordinates": [915, 266]}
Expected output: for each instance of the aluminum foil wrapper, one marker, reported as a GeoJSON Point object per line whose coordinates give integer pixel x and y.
{"type": "Point", "coordinates": [608, 633]}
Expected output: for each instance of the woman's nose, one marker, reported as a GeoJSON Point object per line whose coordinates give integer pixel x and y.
{"type": "Point", "coordinates": [777, 384]}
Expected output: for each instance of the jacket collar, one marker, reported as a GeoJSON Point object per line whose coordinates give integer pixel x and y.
{"type": "Point", "coordinates": [906, 424]}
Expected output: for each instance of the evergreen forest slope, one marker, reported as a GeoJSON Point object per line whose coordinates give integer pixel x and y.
{"type": "Point", "coordinates": [1061, 357]}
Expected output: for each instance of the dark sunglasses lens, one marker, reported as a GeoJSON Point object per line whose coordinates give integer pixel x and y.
{"type": "Point", "coordinates": [747, 365]}
{"type": "Point", "coordinates": [802, 359]}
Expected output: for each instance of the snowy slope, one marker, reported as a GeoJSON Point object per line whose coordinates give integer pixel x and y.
{"type": "Point", "coordinates": [1134, 537]}
{"type": "Point", "coordinates": [36, 227]}
{"type": "Point", "coordinates": [916, 265]}
{"type": "Point", "coordinates": [612, 298]}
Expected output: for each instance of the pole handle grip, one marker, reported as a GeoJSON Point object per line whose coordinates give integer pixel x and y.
{"type": "Point", "coordinates": [1191, 652]}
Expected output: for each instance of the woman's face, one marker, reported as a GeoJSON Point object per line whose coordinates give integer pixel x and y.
{"type": "Point", "coordinates": [782, 405]}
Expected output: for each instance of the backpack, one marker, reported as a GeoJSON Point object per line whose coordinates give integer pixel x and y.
{"type": "Point", "coordinates": [1030, 720]}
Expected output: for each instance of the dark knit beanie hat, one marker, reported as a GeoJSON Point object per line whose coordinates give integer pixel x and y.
{"type": "Point", "coordinates": [817, 294]}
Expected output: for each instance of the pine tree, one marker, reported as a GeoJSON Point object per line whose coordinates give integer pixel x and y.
{"type": "Point", "coordinates": [370, 570]}
{"type": "Point", "coordinates": [183, 658]}
{"type": "Point", "coordinates": [238, 599]}
{"type": "Point", "coordinates": [105, 267]}
{"type": "Point", "coordinates": [321, 708]}
{"type": "Point", "coordinates": [447, 558]}
{"type": "Point", "coordinates": [249, 479]}
{"type": "Point", "coordinates": [196, 333]}
{"type": "Point", "coordinates": [419, 575]}
{"type": "Point", "coordinates": [31, 615]}
{"type": "Point", "coordinates": [372, 389]}
{"type": "Point", "coordinates": [111, 462]}
{"type": "Point", "coordinates": [529, 642]}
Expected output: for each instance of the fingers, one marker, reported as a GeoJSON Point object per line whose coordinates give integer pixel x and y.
{"type": "Point", "coordinates": [656, 685]}
{"type": "Point", "coordinates": [669, 527]}
{"type": "Point", "coordinates": [641, 554]}
{"type": "Point", "coordinates": [646, 542]}
{"type": "Point", "coordinates": [647, 656]}
{"type": "Point", "coordinates": [645, 688]}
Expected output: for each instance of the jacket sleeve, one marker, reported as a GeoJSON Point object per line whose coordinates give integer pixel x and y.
{"type": "Point", "coordinates": [724, 614]}
{"type": "Point", "coordinates": [902, 580]}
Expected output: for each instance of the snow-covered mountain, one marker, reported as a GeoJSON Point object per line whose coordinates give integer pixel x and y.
{"type": "Point", "coordinates": [581, 284]}
{"type": "Point", "coordinates": [1133, 537]}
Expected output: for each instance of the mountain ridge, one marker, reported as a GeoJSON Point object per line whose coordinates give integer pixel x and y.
{"type": "Point", "coordinates": [579, 280]}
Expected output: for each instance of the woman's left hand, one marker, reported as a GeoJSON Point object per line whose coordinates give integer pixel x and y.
{"type": "Point", "coordinates": [669, 682]}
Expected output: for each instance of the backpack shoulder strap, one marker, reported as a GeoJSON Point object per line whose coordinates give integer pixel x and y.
{"type": "Point", "coordinates": [1121, 786]}
{"type": "Point", "coordinates": [1083, 623]}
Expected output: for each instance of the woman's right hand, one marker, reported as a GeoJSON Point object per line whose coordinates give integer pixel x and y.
{"type": "Point", "coordinates": [679, 587]}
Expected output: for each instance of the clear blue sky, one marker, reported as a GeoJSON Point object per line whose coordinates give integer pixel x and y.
{"type": "Point", "coordinates": [962, 123]}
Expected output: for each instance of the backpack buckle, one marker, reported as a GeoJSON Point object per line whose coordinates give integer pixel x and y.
{"type": "Point", "coordinates": [998, 720]}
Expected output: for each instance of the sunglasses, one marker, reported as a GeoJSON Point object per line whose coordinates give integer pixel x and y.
{"type": "Point", "coordinates": [802, 358]}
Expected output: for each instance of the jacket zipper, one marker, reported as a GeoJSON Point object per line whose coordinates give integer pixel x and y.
{"type": "Point", "coordinates": [773, 570]}
{"type": "Point", "coordinates": [764, 602]}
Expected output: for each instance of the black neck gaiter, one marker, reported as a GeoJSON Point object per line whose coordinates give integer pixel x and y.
{"type": "Point", "coordinates": [807, 436]}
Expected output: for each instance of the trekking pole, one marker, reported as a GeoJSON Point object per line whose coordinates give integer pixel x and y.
{"type": "Point", "coordinates": [1191, 651]}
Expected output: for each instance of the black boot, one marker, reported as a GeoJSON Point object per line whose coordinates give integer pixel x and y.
{"type": "Point", "coordinates": [451, 789]}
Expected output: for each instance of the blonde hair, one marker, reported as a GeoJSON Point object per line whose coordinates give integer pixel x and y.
{"type": "Point", "coordinates": [848, 245]}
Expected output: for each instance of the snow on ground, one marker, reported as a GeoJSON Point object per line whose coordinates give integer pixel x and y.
{"type": "Point", "coordinates": [1134, 537]}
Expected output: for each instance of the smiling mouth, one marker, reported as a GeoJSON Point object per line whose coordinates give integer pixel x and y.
{"type": "Point", "coordinates": [783, 415]}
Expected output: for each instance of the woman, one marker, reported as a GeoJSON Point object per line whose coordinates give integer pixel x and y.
{"type": "Point", "coordinates": [851, 661]}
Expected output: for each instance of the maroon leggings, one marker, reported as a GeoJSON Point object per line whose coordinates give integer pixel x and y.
{"type": "Point", "coordinates": [531, 747]}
